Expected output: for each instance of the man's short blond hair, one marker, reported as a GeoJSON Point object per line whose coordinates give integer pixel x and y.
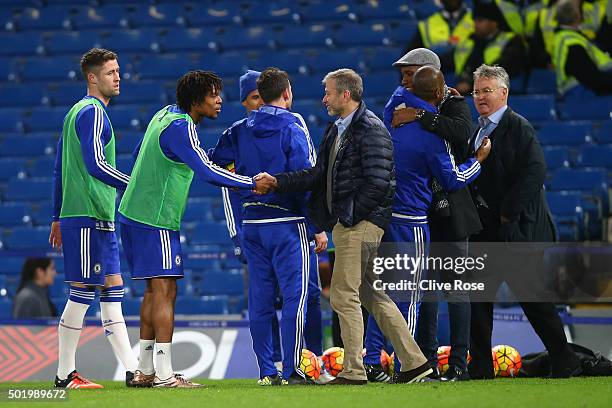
{"type": "Point", "coordinates": [347, 80]}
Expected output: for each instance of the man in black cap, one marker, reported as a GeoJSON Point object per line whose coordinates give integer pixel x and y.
{"type": "Point", "coordinates": [492, 43]}
{"type": "Point", "coordinates": [453, 218]}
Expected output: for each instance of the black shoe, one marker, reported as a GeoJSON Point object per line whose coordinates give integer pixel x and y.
{"type": "Point", "coordinates": [455, 374]}
{"type": "Point", "coordinates": [412, 376]}
{"type": "Point", "coordinates": [296, 380]}
{"type": "Point", "coordinates": [435, 373]}
{"type": "Point", "coordinates": [376, 373]}
{"type": "Point", "coordinates": [129, 376]}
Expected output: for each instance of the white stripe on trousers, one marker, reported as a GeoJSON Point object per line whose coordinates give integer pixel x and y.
{"type": "Point", "coordinates": [414, 295]}
{"type": "Point", "coordinates": [299, 321]}
{"type": "Point", "coordinates": [164, 237]}
{"type": "Point", "coordinates": [85, 253]}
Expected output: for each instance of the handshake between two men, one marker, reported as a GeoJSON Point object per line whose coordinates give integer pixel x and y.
{"type": "Point", "coordinates": [266, 183]}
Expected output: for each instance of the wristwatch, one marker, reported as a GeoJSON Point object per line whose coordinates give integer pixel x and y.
{"type": "Point", "coordinates": [419, 113]}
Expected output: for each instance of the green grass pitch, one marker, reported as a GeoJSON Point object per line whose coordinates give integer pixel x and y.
{"type": "Point", "coordinates": [539, 393]}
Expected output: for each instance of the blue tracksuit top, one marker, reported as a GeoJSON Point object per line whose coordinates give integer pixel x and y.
{"type": "Point", "coordinates": [420, 155]}
{"type": "Point", "coordinates": [271, 139]}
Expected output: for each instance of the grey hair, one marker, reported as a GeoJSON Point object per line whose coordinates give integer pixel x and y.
{"type": "Point", "coordinates": [493, 72]}
{"type": "Point", "coordinates": [568, 12]}
{"type": "Point", "coordinates": [347, 79]}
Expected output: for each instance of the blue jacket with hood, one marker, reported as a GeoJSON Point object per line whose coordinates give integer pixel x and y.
{"type": "Point", "coordinates": [273, 140]}
{"type": "Point", "coordinates": [420, 155]}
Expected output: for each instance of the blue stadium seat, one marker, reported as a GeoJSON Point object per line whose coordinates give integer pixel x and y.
{"type": "Point", "coordinates": [201, 305]}
{"type": "Point", "coordinates": [167, 15]}
{"type": "Point", "coordinates": [208, 233]}
{"type": "Point", "coordinates": [22, 43]}
{"type": "Point", "coordinates": [42, 167]}
{"type": "Point", "coordinates": [59, 289]}
{"type": "Point", "coordinates": [102, 16]}
{"type": "Point", "coordinates": [307, 87]}
{"type": "Point", "coordinates": [125, 116]}
{"type": "Point", "coordinates": [43, 118]}
{"type": "Point", "coordinates": [197, 211]}
{"type": "Point", "coordinates": [602, 132]}
{"type": "Point", "coordinates": [66, 93]}
{"type": "Point", "coordinates": [143, 40]}
{"type": "Point", "coordinates": [385, 10]}
{"type": "Point", "coordinates": [126, 141]}
{"type": "Point", "coordinates": [313, 111]}
{"type": "Point", "coordinates": [401, 32]}
{"type": "Point", "coordinates": [565, 133]}
{"type": "Point", "coordinates": [284, 13]}
{"type": "Point", "coordinates": [131, 307]}
{"type": "Point", "coordinates": [186, 40]}
{"type": "Point", "coordinates": [227, 64]}
{"type": "Point", "coordinates": [8, 71]}
{"type": "Point", "coordinates": [50, 17]}
{"type": "Point", "coordinates": [334, 11]}
{"type": "Point", "coordinates": [199, 263]}
{"type": "Point", "coordinates": [556, 157]}
{"type": "Point", "coordinates": [594, 180]}
{"type": "Point", "coordinates": [70, 42]}
{"type": "Point", "coordinates": [25, 95]}
{"type": "Point", "coordinates": [28, 238]}
{"type": "Point", "coordinates": [141, 92]}
{"type": "Point", "coordinates": [10, 168]}
{"type": "Point", "coordinates": [166, 66]}
{"type": "Point", "coordinates": [41, 214]}
{"type": "Point", "coordinates": [597, 108]}
{"type": "Point", "coordinates": [424, 9]}
{"type": "Point", "coordinates": [382, 58]}
{"type": "Point", "coordinates": [11, 265]}
{"type": "Point", "coordinates": [517, 84]}
{"type": "Point", "coordinates": [230, 113]}
{"type": "Point", "coordinates": [541, 81]}
{"type": "Point", "coordinates": [315, 36]}
{"type": "Point", "coordinates": [222, 283]}
{"type": "Point", "coordinates": [28, 190]}
{"type": "Point", "coordinates": [534, 107]}
{"type": "Point", "coordinates": [200, 188]}
{"type": "Point", "coordinates": [218, 14]}
{"type": "Point", "coordinates": [50, 69]}
{"type": "Point", "coordinates": [27, 146]}
{"type": "Point", "coordinates": [595, 156]}
{"type": "Point", "coordinates": [361, 35]}
{"type": "Point", "coordinates": [4, 294]}
{"type": "Point", "coordinates": [381, 84]}
{"type": "Point", "coordinates": [250, 38]}
{"type": "Point", "coordinates": [325, 61]}
{"type": "Point", "coordinates": [12, 215]}
{"type": "Point", "coordinates": [291, 61]}
{"type": "Point", "coordinates": [124, 163]}
{"type": "Point", "coordinates": [11, 120]}
{"type": "Point", "coordinates": [6, 309]}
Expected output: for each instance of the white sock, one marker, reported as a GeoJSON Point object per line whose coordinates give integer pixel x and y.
{"type": "Point", "coordinates": [117, 335]}
{"type": "Point", "coordinates": [163, 361]}
{"type": "Point", "coordinates": [69, 331]}
{"type": "Point", "coordinates": [145, 362]}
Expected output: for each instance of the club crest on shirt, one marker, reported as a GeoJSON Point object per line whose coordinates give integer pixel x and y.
{"type": "Point", "coordinates": [178, 260]}
{"type": "Point", "coordinates": [97, 268]}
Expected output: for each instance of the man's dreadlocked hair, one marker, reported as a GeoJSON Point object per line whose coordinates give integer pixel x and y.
{"type": "Point", "coordinates": [194, 86]}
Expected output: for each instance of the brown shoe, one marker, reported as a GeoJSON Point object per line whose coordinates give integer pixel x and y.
{"type": "Point", "coordinates": [142, 380]}
{"type": "Point", "coordinates": [346, 381]}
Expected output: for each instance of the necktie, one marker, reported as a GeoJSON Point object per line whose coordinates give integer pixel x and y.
{"type": "Point", "coordinates": [483, 132]}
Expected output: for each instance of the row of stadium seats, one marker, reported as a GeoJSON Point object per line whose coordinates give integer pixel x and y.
{"type": "Point", "coordinates": [539, 109]}
{"type": "Point", "coordinates": [77, 15]}
{"type": "Point", "coordinates": [320, 35]}
{"type": "Point", "coordinates": [185, 305]}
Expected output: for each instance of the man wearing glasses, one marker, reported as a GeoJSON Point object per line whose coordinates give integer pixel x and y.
{"type": "Point", "coordinates": [509, 195]}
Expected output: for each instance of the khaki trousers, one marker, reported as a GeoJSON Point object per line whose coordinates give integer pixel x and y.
{"type": "Point", "coordinates": [351, 286]}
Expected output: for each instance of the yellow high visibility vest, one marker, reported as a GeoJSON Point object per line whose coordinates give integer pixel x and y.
{"type": "Point", "coordinates": [512, 15]}
{"type": "Point", "coordinates": [592, 18]}
{"type": "Point", "coordinates": [435, 30]}
{"type": "Point", "coordinates": [491, 53]}
{"type": "Point", "coordinates": [564, 39]}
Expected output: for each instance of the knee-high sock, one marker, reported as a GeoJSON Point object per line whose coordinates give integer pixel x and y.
{"type": "Point", "coordinates": [114, 326]}
{"type": "Point", "coordinates": [70, 326]}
